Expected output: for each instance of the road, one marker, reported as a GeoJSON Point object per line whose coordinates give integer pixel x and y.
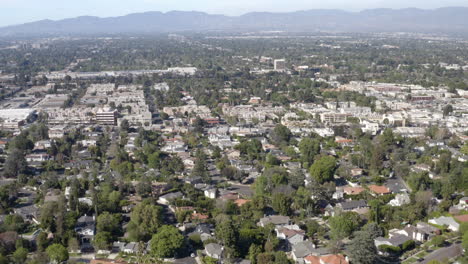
{"type": "Point", "coordinates": [446, 253]}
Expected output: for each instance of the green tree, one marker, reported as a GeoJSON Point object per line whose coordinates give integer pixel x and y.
{"type": "Point", "coordinates": [361, 249]}
{"type": "Point", "coordinates": [438, 241]}
{"type": "Point", "coordinates": [57, 253]}
{"type": "Point", "coordinates": [3, 259]}
{"type": "Point", "coordinates": [281, 203]}
{"type": "Point", "coordinates": [166, 242]}
{"type": "Point", "coordinates": [125, 125]}
{"type": "Point", "coordinates": [309, 148]}
{"type": "Point", "coordinates": [144, 221]}
{"type": "Point", "coordinates": [42, 241]}
{"type": "Point", "coordinates": [102, 240]}
{"type": "Point", "coordinates": [465, 241]}
{"type": "Point", "coordinates": [281, 258]}
{"type": "Point", "coordinates": [280, 135]}
{"type": "Point", "coordinates": [107, 222]}
{"type": "Point", "coordinates": [227, 233]}
{"type": "Point", "coordinates": [373, 229]}
{"type": "Point", "coordinates": [296, 178]}
{"type": "Point", "coordinates": [323, 169]}
{"type": "Point", "coordinates": [254, 250]}
{"type": "Point", "coordinates": [447, 110]}
{"type": "Point", "coordinates": [20, 255]}
{"type": "Point", "coordinates": [312, 227]}
{"type": "Point", "coordinates": [200, 169]}
{"type": "Point", "coordinates": [343, 225]}
{"type": "Point", "coordinates": [15, 164]}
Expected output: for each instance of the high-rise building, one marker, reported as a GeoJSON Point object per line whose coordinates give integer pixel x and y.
{"type": "Point", "coordinates": [280, 65]}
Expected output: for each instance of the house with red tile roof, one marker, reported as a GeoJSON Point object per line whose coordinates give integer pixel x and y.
{"type": "Point", "coordinates": [379, 190]}
{"type": "Point", "coordinates": [241, 202]}
{"type": "Point", "coordinates": [462, 218]}
{"type": "Point", "coordinates": [353, 190]}
{"type": "Point", "coordinates": [328, 259]}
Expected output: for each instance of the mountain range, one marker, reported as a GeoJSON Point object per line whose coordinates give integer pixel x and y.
{"type": "Point", "coordinates": [449, 20]}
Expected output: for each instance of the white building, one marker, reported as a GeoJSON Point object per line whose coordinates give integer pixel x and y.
{"type": "Point", "coordinates": [280, 65]}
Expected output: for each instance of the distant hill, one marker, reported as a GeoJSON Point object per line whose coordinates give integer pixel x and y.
{"type": "Point", "coordinates": [448, 20]}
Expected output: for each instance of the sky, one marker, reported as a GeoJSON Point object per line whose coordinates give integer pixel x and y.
{"type": "Point", "coordinates": [21, 11]}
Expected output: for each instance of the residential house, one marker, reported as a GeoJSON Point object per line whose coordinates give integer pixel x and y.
{"type": "Point", "coordinates": [131, 248]}
{"type": "Point", "coordinates": [168, 198]}
{"type": "Point", "coordinates": [400, 199]}
{"type": "Point", "coordinates": [214, 250]}
{"type": "Point", "coordinates": [302, 250]}
{"type": "Point", "coordinates": [338, 194]}
{"type": "Point", "coordinates": [211, 193]}
{"type": "Point", "coordinates": [353, 190]}
{"type": "Point", "coordinates": [417, 233]}
{"type": "Point", "coordinates": [446, 221]}
{"type": "Point", "coordinates": [396, 240]}
{"type": "Point", "coordinates": [292, 233]}
{"type": "Point", "coordinates": [379, 190]}
{"type": "Point", "coordinates": [204, 231]}
{"type": "Point", "coordinates": [462, 218]}
{"type": "Point", "coordinates": [327, 259]}
{"type": "Point", "coordinates": [85, 228]}
{"type": "Point", "coordinates": [42, 144]}
{"type": "Point", "coordinates": [277, 220]}
{"type": "Point", "coordinates": [359, 206]}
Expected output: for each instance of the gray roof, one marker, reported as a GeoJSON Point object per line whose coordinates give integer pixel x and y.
{"type": "Point", "coordinates": [173, 195]}
{"type": "Point", "coordinates": [303, 249]}
{"type": "Point", "coordinates": [275, 219]}
{"type": "Point", "coordinates": [396, 186]}
{"type": "Point", "coordinates": [353, 204]}
{"type": "Point", "coordinates": [396, 240]}
{"type": "Point", "coordinates": [214, 249]}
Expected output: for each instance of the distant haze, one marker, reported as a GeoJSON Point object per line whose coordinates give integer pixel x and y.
{"type": "Point", "coordinates": [22, 11]}
{"type": "Point", "coordinates": [439, 21]}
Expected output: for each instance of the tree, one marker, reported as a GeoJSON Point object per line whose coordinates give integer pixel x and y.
{"type": "Point", "coordinates": [447, 110]}
{"type": "Point", "coordinates": [438, 241]}
{"type": "Point", "coordinates": [13, 223]}
{"type": "Point", "coordinates": [107, 222]}
{"type": "Point", "coordinates": [198, 125]}
{"type": "Point", "coordinates": [373, 229]}
{"type": "Point", "coordinates": [20, 255]}
{"type": "Point", "coordinates": [15, 164]}
{"type": "Point", "coordinates": [57, 253]}
{"type": "Point", "coordinates": [166, 242]}
{"type": "Point", "coordinates": [296, 178]}
{"type": "Point", "coordinates": [281, 135]}
{"type": "Point", "coordinates": [361, 249]}
{"type": "Point", "coordinates": [323, 169]}
{"type": "Point", "coordinates": [200, 169]}
{"type": "Point", "coordinates": [465, 241]}
{"type": "Point", "coordinates": [309, 148]}
{"type": "Point", "coordinates": [281, 203]}
{"type": "Point", "coordinates": [254, 250]}
{"type": "Point", "coordinates": [3, 259]}
{"type": "Point", "coordinates": [144, 221]}
{"type": "Point", "coordinates": [281, 258]}
{"type": "Point", "coordinates": [343, 225]}
{"type": "Point", "coordinates": [73, 244]}
{"type": "Point", "coordinates": [312, 227]}
{"type": "Point", "coordinates": [42, 241]}
{"type": "Point", "coordinates": [227, 233]}
{"type": "Point", "coordinates": [102, 240]}
{"type": "Point", "coordinates": [124, 125]}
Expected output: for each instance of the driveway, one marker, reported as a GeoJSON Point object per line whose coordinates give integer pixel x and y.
{"type": "Point", "coordinates": [442, 254]}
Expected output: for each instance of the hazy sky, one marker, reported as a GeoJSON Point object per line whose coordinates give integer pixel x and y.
{"type": "Point", "coordinates": [21, 11]}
